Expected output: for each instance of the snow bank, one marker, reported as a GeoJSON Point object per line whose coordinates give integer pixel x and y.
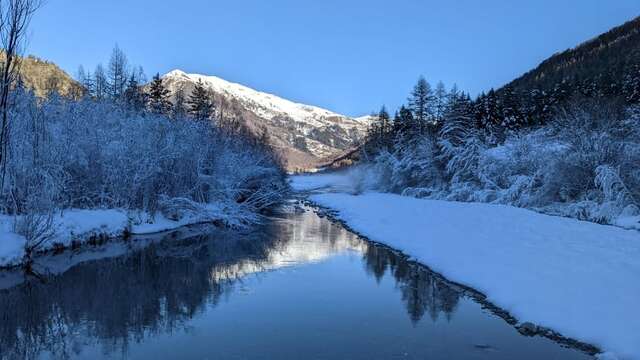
{"type": "Point", "coordinates": [76, 223]}
{"type": "Point", "coordinates": [578, 278]}
{"type": "Point", "coordinates": [79, 226]}
{"type": "Point", "coordinates": [11, 244]}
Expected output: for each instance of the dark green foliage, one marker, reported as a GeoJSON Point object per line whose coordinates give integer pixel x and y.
{"type": "Point", "coordinates": [134, 96]}
{"type": "Point", "coordinates": [158, 97]}
{"type": "Point", "coordinates": [600, 68]}
{"type": "Point", "coordinates": [200, 105]}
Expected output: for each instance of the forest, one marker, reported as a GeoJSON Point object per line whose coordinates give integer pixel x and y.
{"type": "Point", "coordinates": [572, 156]}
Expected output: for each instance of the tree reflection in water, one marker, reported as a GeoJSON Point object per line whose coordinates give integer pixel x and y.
{"type": "Point", "coordinates": [114, 302]}
{"type": "Point", "coordinates": [422, 291]}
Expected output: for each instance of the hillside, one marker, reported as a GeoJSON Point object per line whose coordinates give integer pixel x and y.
{"type": "Point", "coordinates": [43, 76]}
{"type": "Point", "coordinates": [602, 64]}
{"type": "Point", "coordinates": [305, 135]}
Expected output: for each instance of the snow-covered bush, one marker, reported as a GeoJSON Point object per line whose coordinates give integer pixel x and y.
{"type": "Point", "coordinates": [99, 154]}
{"type": "Point", "coordinates": [584, 164]}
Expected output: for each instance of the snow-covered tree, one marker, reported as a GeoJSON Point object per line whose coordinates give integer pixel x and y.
{"type": "Point", "coordinates": [440, 99]}
{"type": "Point", "coordinates": [118, 73]}
{"type": "Point", "coordinates": [421, 102]}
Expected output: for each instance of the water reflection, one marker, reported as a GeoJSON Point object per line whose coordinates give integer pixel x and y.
{"type": "Point", "coordinates": [124, 294]}
{"type": "Point", "coordinates": [422, 291]}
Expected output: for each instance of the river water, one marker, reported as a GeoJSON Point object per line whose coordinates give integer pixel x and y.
{"type": "Point", "coordinates": [296, 287]}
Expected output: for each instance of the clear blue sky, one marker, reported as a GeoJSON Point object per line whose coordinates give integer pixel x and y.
{"type": "Point", "coordinates": [350, 56]}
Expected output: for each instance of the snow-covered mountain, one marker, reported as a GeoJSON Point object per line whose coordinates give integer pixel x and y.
{"type": "Point", "coordinates": [306, 135]}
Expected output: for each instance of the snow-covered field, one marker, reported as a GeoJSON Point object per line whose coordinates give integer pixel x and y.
{"type": "Point", "coordinates": [575, 277]}
{"type": "Point", "coordinates": [81, 225]}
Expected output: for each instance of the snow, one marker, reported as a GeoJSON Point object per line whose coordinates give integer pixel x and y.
{"type": "Point", "coordinates": [575, 277]}
{"type": "Point", "coordinates": [11, 244]}
{"type": "Point", "coordinates": [335, 180]}
{"type": "Point", "coordinates": [80, 225]}
{"type": "Point", "coordinates": [267, 105]}
{"type": "Point", "coordinates": [76, 222]}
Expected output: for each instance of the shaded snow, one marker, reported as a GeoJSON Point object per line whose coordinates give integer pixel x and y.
{"type": "Point", "coordinates": [575, 277]}
{"type": "Point", "coordinates": [11, 244]}
{"type": "Point", "coordinates": [81, 225]}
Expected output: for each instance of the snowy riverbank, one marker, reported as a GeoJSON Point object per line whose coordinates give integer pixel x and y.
{"type": "Point", "coordinates": [575, 277]}
{"type": "Point", "coordinates": [76, 227]}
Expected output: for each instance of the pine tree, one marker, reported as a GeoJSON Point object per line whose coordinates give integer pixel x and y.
{"type": "Point", "coordinates": [384, 121]}
{"type": "Point", "coordinates": [538, 108]}
{"type": "Point", "coordinates": [134, 96]}
{"type": "Point", "coordinates": [403, 120]}
{"type": "Point", "coordinates": [512, 117]}
{"type": "Point", "coordinates": [200, 103]}
{"type": "Point", "coordinates": [458, 121]}
{"type": "Point", "coordinates": [158, 96]}
{"type": "Point", "coordinates": [493, 118]}
{"type": "Point", "coordinates": [179, 106]}
{"type": "Point", "coordinates": [421, 102]}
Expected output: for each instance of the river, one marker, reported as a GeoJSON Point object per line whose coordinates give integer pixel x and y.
{"type": "Point", "coordinates": [296, 287]}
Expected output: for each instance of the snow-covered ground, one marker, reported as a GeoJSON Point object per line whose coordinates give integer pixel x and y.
{"type": "Point", "coordinates": [79, 226]}
{"type": "Point", "coordinates": [578, 278]}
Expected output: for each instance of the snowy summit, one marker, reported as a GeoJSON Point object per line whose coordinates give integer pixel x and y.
{"type": "Point", "coordinates": [306, 135]}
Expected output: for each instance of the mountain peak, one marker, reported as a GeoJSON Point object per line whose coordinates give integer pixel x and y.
{"type": "Point", "coordinates": [174, 73]}
{"type": "Point", "coordinates": [306, 133]}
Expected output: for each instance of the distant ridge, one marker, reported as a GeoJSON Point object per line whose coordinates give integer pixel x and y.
{"type": "Point", "coordinates": [605, 58]}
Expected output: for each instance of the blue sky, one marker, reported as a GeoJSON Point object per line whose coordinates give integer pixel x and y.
{"type": "Point", "coordinates": [349, 56]}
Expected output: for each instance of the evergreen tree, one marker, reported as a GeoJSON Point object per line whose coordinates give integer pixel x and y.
{"type": "Point", "coordinates": [512, 117]}
{"type": "Point", "coordinates": [384, 121]}
{"type": "Point", "coordinates": [632, 85]}
{"type": "Point", "coordinates": [458, 119]}
{"type": "Point", "coordinates": [561, 92]}
{"type": "Point", "coordinates": [179, 106]}
{"type": "Point", "coordinates": [200, 103]}
{"type": "Point", "coordinates": [538, 108]}
{"type": "Point", "coordinates": [134, 96]}
{"type": "Point", "coordinates": [403, 120]}
{"type": "Point", "coordinates": [158, 96]}
{"type": "Point", "coordinates": [479, 109]}
{"type": "Point", "coordinates": [492, 120]}
{"type": "Point", "coordinates": [421, 102]}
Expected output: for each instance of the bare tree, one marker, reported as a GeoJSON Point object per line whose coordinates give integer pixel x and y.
{"type": "Point", "coordinates": [118, 73]}
{"type": "Point", "coordinates": [15, 16]}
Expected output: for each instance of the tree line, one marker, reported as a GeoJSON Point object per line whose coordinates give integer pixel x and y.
{"type": "Point", "coordinates": [127, 85]}
{"type": "Point", "coordinates": [565, 153]}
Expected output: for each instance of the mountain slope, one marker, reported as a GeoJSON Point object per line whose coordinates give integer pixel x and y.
{"type": "Point", "coordinates": [604, 62]}
{"type": "Point", "coordinates": [305, 135]}
{"type": "Point", "coordinates": [43, 77]}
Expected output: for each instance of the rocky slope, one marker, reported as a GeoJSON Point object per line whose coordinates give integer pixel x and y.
{"type": "Point", "coordinates": [305, 135]}
{"type": "Point", "coordinates": [44, 77]}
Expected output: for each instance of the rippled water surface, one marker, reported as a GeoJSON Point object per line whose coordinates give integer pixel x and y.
{"type": "Point", "coordinates": [298, 287]}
